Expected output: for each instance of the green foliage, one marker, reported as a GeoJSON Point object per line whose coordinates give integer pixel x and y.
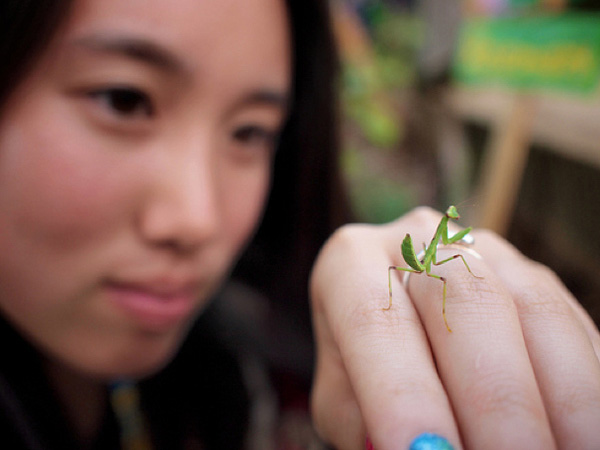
{"type": "Point", "coordinates": [372, 90]}
{"type": "Point", "coordinates": [367, 107]}
{"type": "Point", "coordinates": [369, 87]}
{"type": "Point", "coordinates": [375, 198]}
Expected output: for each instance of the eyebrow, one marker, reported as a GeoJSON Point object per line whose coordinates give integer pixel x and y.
{"type": "Point", "coordinates": [268, 97]}
{"type": "Point", "coordinates": [139, 49]}
{"type": "Point", "coordinates": [155, 55]}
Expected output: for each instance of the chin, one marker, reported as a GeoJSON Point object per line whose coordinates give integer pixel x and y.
{"type": "Point", "coordinates": [137, 359]}
{"type": "Point", "coordinates": [140, 367]}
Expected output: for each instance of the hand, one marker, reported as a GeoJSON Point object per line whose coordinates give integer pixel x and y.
{"type": "Point", "coordinates": [520, 370]}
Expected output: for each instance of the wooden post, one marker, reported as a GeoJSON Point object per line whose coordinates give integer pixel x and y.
{"type": "Point", "coordinates": [504, 164]}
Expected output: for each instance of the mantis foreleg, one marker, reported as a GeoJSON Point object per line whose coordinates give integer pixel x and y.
{"type": "Point", "coordinates": [439, 263]}
{"type": "Point", "coordinates": [455, 237]}
{"type": "Point", "coordinates": [404, 269]}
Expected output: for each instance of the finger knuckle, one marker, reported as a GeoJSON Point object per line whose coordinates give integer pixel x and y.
{"type": "Point", "coordinates": [538, 304]}
{"type": "Point", "coordinates": [477, 293]}
{"type": "Point", "coordinates": [489, 235]}
{"type": "Point", "coordinates": [491, 393]}
{"type": "Point", "coordinates": [348, 237]}
{"type": "Point", "coordinates": [578, 397]}
{"type": "Point", "coordinates": [493, 240]}
{"type": "Point", "coordinates": [343, 246]}
{"type": "Point", "coordinates": [423, 215]}
{"type": "Point", "coordinates": [544, 273]}
{"type": "Point", "coordinates": [366, 322]}
{"type": "Point", "coordinates": [540, 294]}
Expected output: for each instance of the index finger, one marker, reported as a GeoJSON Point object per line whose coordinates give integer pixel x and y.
{"type": "Point", "coordinates": [385, 353]}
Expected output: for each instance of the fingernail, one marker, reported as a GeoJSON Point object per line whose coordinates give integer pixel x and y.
{"type": "Point", "coordinates": [430, 441]}
{"type": "Point", "coordinates": [369, 444]}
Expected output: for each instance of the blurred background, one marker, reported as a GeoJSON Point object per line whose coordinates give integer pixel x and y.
{"type": "Point", "coordinates": [491, 105]}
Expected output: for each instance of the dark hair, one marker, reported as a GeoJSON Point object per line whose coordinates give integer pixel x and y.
{"type": "Point", "coordinates": [26, 27]}
{"type": "Point", "coordinates": [306, 202]}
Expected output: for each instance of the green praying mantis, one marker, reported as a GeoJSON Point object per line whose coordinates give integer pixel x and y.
{"type": "Point", "coordinates": [429, 258]}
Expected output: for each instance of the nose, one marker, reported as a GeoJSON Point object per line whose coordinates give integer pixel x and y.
{"type": "Point", "coordinates": [181, 211]}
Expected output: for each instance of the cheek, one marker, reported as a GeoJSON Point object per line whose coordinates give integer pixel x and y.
{"type": "Point", "coordinates": [59, 210]}
{"type": "Point", "coordinates": [54, 188]}
{"type": "Point", "coordinates": [247, 193]}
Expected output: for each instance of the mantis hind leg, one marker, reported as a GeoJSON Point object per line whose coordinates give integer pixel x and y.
{"type": "Point", "coordinates": [436, 263]}
{"type": "Point", "coordinates": [443, 280]}
{"type": "Point", "coordinates": [404, 269]}
{"type": "Point", "coordinates": [437, 277]}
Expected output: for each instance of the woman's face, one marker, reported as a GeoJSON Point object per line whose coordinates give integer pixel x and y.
{"type": "Point", "coordinates": [135, 160]}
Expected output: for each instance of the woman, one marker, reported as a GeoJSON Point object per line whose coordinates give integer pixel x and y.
{"type": "Point", "coordinates": [137, 140]}
{"type": "Point", "coordinates": [141, 140]}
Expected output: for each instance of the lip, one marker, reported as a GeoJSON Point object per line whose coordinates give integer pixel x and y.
{"type": "Point", "coordinates": [157, 305]}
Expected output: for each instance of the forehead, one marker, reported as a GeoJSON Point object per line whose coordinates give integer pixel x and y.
{"type": "Point", "coordinates": [200, 33]}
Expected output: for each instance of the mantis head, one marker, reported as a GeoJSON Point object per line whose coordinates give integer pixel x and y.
{"type": "Point", "coordinates": [452, 213]}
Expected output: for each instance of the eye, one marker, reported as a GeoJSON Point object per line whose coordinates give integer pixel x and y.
{"type": "Point", "coordinates": [255, 135]}
{"type": "Point", "coordinates": [124, 101]}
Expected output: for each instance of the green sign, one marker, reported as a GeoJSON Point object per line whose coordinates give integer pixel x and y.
{"type": "Point", "coordinates": [539, 3]}
{"type": "Point", "coordinates": [556, 52]}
